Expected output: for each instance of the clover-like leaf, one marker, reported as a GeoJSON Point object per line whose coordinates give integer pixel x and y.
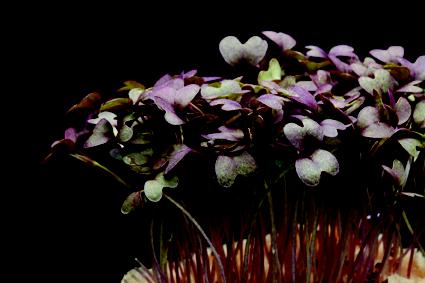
{"type": "Point", "coordinates": [234, 52]}
{"type": "Point", "coordinates": [273, 73]}
{"type": "Point", "coordinates": [102, 133]}
{"type": "Point", "coordinates": [131, 203]}
{"type": "Point", "coordinates": [369, 122]}
{"type": "Point", "coordinates": [392, 54]}
{"type": "Point", "coordinates": [185, 95]}
{"type": "Point", "coordinates": [283, 40]}
{"type": "Point", "coordinates": [222, 89]}
{"type": "Point", "coordinates": [403, 110]}
{"type": "Point", "coordinates": [411, 146]}
{"type": "Point", "coordinates": [419, 114]}
{"type": "Point", "coordinates": [411, 87]}
{"type": "Point", "coordinates": [382, 81]}
{"type": "Point", "coordinates": [129, 85]}
{"type": "Point", "coordinates": [310, 169]}
{"type": "Point", "coordinates": [272, 101]}
{"type": "Point", "coordinates": [331, 126]}
{"type": "Point", "coordinates": [226, 104]}
{"type": "Point", "coordinates": [227, 168]}
{"type": "Point", "coordinates": [297, 134]}
{"type": "Point", "coordinates": [153, 188]}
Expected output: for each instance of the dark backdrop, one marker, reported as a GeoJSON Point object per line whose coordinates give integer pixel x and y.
{"type": "Point", "coordinates": [71, 228]}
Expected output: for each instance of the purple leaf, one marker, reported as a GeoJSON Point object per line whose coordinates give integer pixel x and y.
{"type": "Point", "coordinates": [331, 126]}
{"type": "Point", "coordinates": [227, 104]}
{"type": "Point", "coordinates": [303, 96]}
{"type": "Point", "coordinates": [185, 95]}
{"type": "Point", "coordinates": [391, 55]}
{"type": "Point", "coordinates": [403, 110]}
{"type": "Point", "coordinates": [315, 51]}
{"type": "Point", "coordinates": [252, 51]}
{"type": "Point", "coordinates": [411, 87]}
{"type": "Point", "coordinates": [283, 40]}
{"type": "Point", "coordinates": [367, 116]}
{"type": "Point", "coordinates": [177, 155]}
{"type": "Point", "coordinates": [342, 50]}
{"type": "Point", "coordinates": [272, 101]}
{"type": "Point", "coordinates": [71, 134]}
{"type": "Point", "coordinates": [378, 130]}
{"type": "Point", "coordinates": [170, 115]}
{"type": "Point", "coordinates": [166, 93]}
{"type": "Point", "coordinates": [165, 78]}
{"type": "Point", "coordinates": [226, 134]}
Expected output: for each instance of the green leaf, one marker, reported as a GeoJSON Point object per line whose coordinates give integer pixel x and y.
{"type": "Point", "coordinates": [172, 182]}
{"type": "Point", "coordinates": [225, 88]}
{"type": "Point", "coordinates": [309, 169]}
{"type": "Point", "coordinates": [419, 114]}
{"type": "Point", "coordinates": [227, 168]}
{"type": "Point", "coordinates": [116, 104]}
{"type": "Point", "coordinates": [153, 190]}
{"type": "Point", "coordinates": [411, 145]}
{"type": "Point", "coordinates": [274, 72]}
{"type": "Point", "coordinates": [381, 83]}
{"type": "Point", "coordinates": [128, 85]}
{"type": "Point", "coordinates": [131, 202]}
{"type": "Point", "coordinates": [102, 133]}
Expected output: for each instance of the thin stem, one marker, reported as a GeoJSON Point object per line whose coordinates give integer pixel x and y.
{"type": "Point", "coordinates": [275, 254]}
{"type": "Point", "coordinates": [204, 235]}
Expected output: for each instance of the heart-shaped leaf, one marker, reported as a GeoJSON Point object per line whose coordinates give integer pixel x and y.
{"type": "Point", "coordinates": [227, 104]}
{"type": "Point", "coordinates": [390, 55]}
{"type": "Point", "coordinates": [273, 73]}
{"type": "Point", "coordinates": [310, 169]}
{"type": "Point", "coordinates": [153, 188]}
{"type": "Point", "coordinates": [296, 134]}
{"type": "Point", "coordinates": [283, 40]}
{"type": "Point", "coordinates": [368, 120]}
{"type": "Point", "coordinates": [382, 81]}
{"type": "Point", "coordinates": [272, 101]}
{"type": "Point", "coordinates": [222, 89]}
{"type": "Point", "coordinates": [234, 52]}
{"type": "Point", "coordinates": [227, 168]}
{"type": "Point", "coordinates": [331, 126]}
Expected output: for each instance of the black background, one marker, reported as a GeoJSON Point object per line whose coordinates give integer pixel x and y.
{"type": "Point", "coordinates": [66, 220]}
